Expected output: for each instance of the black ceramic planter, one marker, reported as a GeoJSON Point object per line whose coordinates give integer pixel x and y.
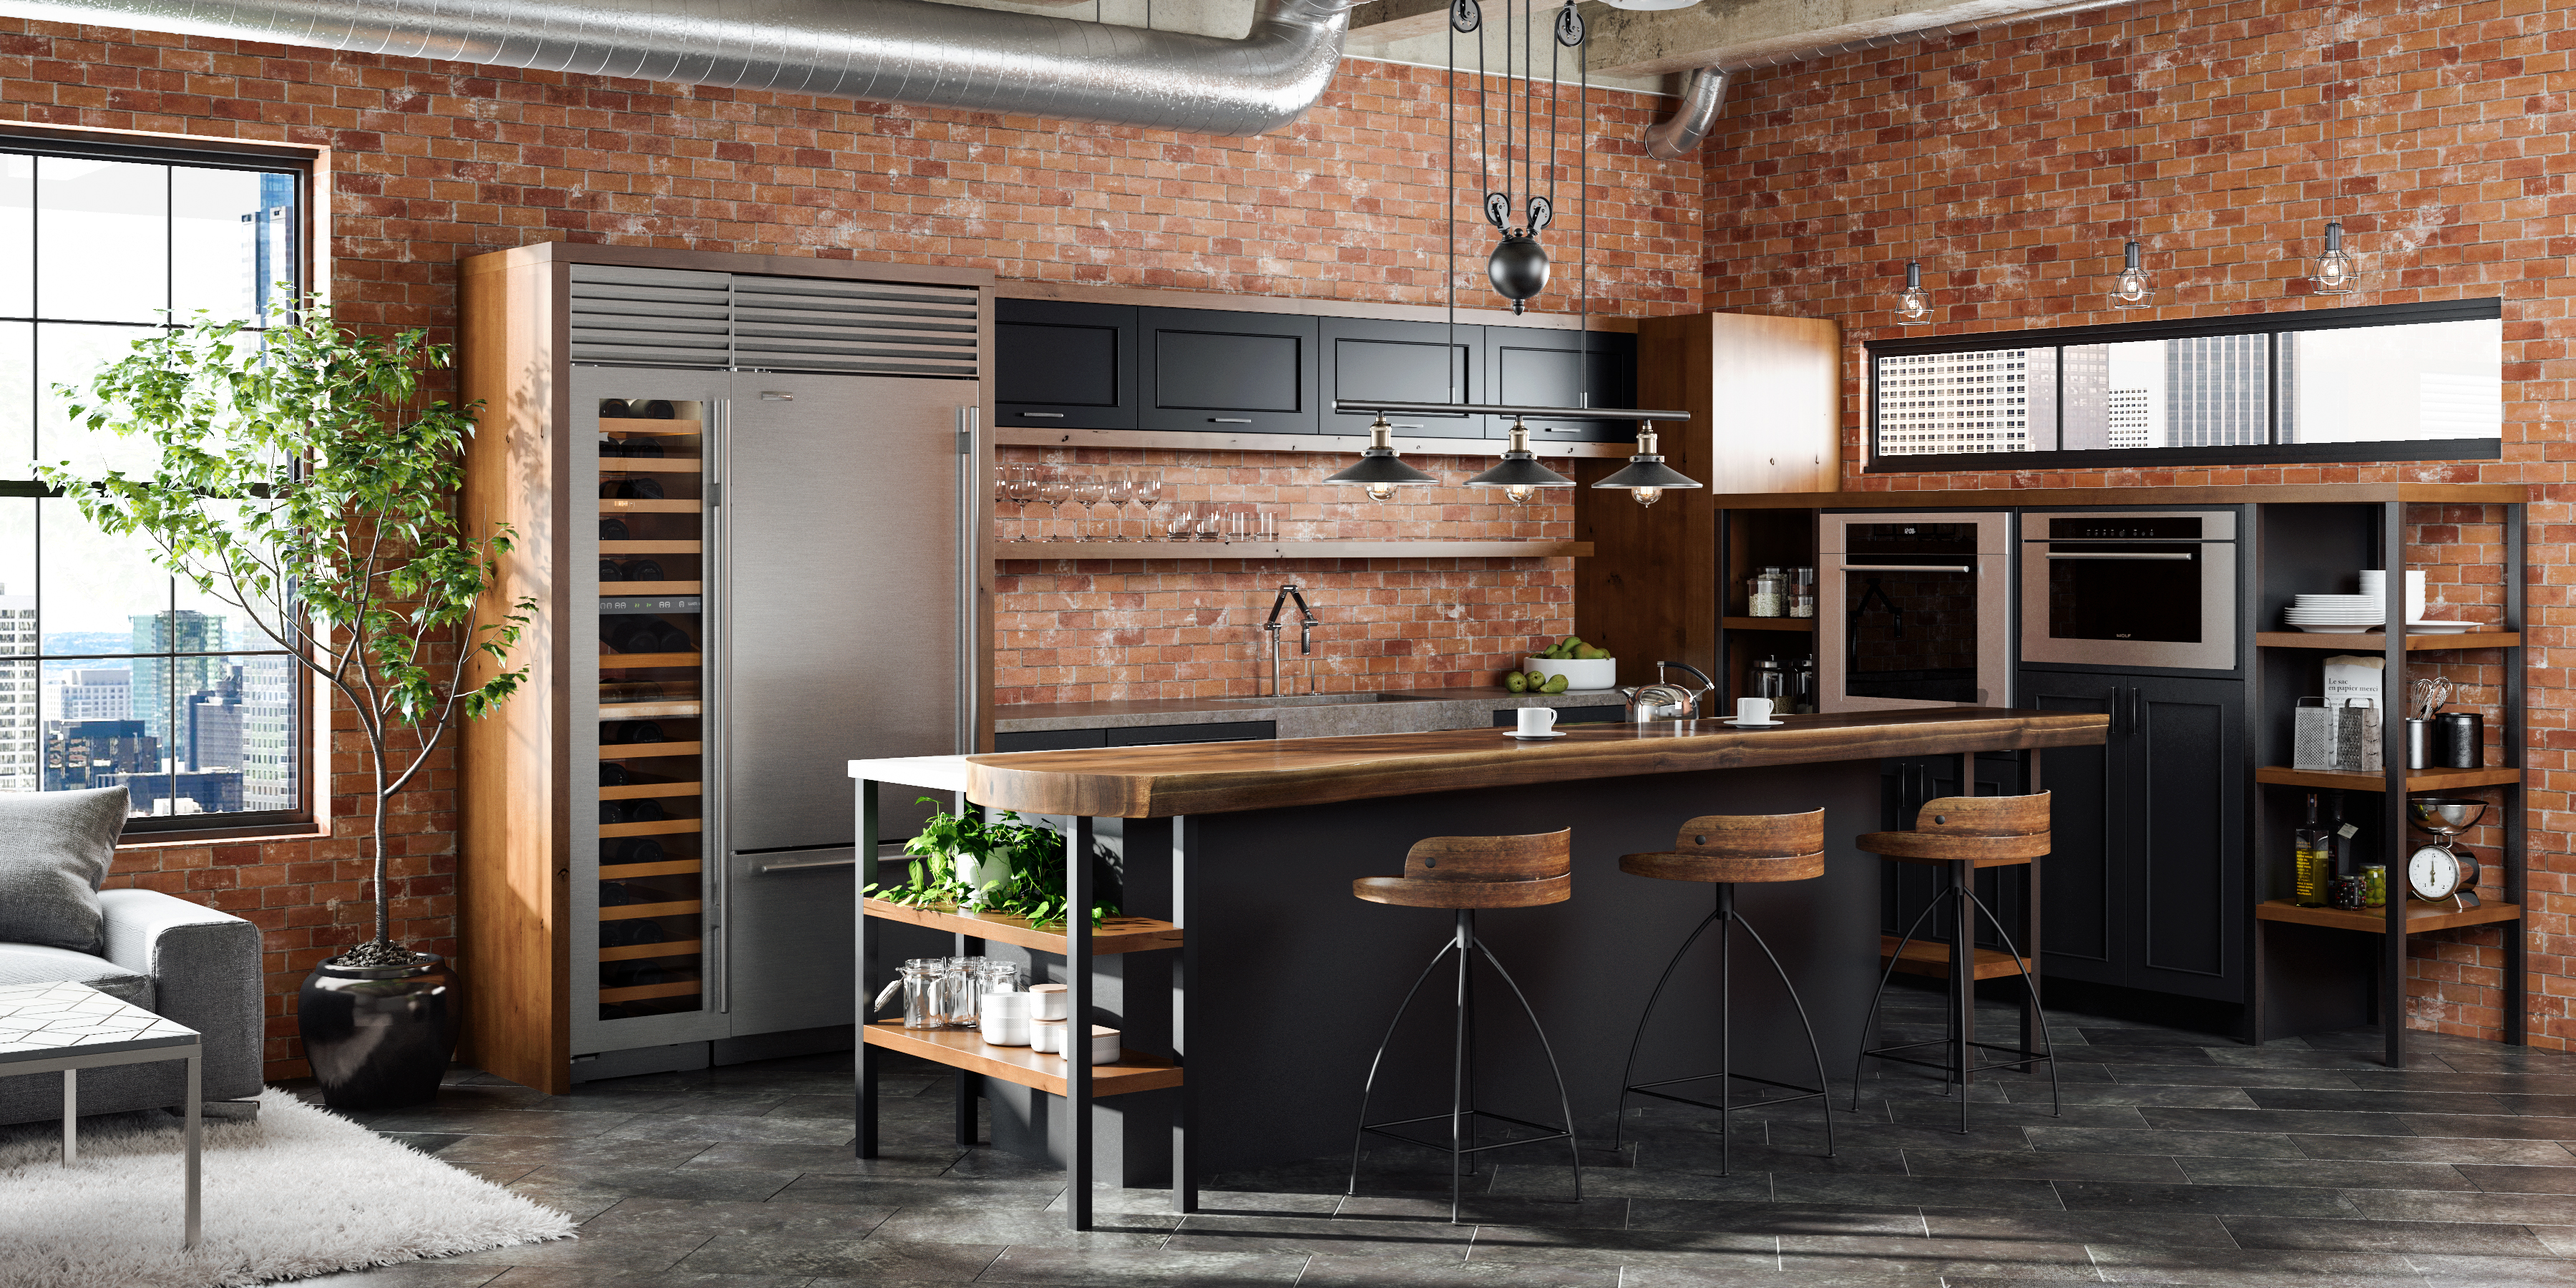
{"type": "Point", "coordinates": [379, 1037]}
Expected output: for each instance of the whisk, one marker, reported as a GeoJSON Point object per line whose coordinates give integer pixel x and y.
{"type": "Point", "coordinates": [2430, 694]}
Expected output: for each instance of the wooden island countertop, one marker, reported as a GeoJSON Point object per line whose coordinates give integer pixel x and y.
{"type": "Point", "coordinates": [1225, 777]}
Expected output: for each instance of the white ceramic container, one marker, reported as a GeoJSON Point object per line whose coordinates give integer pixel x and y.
{"type": "Point", "coordinates": [1596, 673]}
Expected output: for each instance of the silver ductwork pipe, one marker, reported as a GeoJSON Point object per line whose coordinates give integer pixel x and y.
{"type": "Point", "coordinates": [1704, 88]}
{"type": "Point", "coordinates": [897, 51]}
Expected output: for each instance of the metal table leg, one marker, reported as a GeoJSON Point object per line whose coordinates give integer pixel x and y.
{"type": "Point", "coordinates": [1077, 1016]}
{"type": "Point", "coordinates": [71, 1116]}
{"type": "Point", "coordinates": [196, 1139]}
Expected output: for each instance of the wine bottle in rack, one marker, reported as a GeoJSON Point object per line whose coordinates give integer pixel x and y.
{"type": "Point", "coordinates": [630, 732]}
{"type": "Point", "coordinates": [615, 409]}
{"type": "Point", "coordinates": [613, 530]}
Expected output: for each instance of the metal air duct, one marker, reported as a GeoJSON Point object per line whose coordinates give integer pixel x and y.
{"type": "Point", "coordinates": [899, 51]}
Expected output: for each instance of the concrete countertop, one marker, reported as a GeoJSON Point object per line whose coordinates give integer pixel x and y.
{"type": "Point", "coordinates": [1317, 716]}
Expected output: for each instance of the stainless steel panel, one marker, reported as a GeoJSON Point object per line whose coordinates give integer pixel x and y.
{"type": "Point", "coordinates": [2214, 651]}
{"type": "Point", "coordinates": [788, 962]}
{"type": "Point", "coordinates": [838, 537]}
{"type": "Point", "coordinates": [1994, 644]}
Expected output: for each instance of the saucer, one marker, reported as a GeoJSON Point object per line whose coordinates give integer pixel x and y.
{"type": "Point", "coordinates": [1529, 737]}
{"type": "Point", "coordinates": [1755, 724]}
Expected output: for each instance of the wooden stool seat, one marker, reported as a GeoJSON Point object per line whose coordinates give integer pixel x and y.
{"type": "Point", "coordinates": [1458, 872]}
{"type": "Point", "coordinates": [1739, 848]}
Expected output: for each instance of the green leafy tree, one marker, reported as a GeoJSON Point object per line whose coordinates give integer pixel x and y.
{"type": "Point", "coordinates": [304, 478]}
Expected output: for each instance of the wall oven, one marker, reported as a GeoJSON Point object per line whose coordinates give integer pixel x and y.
{"type": "Point", "coordinates": [2130, 589]}
{"type": "Point", "coordinates": [1913, 611]}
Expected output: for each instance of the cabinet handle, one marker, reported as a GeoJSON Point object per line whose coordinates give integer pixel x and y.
{"type": "Point", "coordinates": [1229, 420]}
{"type": "Point", "coordinates": [1043, 415]}
{"type": "Point", "coordinates": [2137, 712]}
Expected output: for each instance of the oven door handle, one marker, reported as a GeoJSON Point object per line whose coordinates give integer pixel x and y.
{"type": "Point", "coordinates": [1907, 568]}
{"type": "Point", "coordinates": [2120, 554]}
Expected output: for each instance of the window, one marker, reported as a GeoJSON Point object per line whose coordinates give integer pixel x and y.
{"type": "Point", "coordinates": [2406, 382]}
{"type": "Point", "coordinates": [113, 673]}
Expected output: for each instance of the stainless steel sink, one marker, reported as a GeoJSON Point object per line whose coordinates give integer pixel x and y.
{"type": "Point", "coordinates": [1322, 700]}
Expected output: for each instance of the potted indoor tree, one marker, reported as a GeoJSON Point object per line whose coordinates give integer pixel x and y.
{"type": "Point", "coordinates": [302, 477]}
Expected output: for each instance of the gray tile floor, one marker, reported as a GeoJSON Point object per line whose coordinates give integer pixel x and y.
{"type": "Point", "coordinates": [2179, 1159]}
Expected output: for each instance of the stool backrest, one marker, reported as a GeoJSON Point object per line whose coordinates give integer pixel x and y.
{"type": "Point", "coordinates": [1754, 836]}
{"type": "Point", "coordinates": [1984, 815]}
{"type": "Point", "coordinates": [1533, 857]}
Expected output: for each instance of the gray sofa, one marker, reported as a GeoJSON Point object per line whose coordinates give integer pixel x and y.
{"type": "Point", "coordinates": [193, 964]}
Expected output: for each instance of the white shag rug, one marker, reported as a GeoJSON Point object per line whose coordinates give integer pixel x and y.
{"type": "Point", "coordinates": [299, 1191]}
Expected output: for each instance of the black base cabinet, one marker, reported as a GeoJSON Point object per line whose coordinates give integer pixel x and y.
{"type": "Point", "coordinates": [2144, 883]}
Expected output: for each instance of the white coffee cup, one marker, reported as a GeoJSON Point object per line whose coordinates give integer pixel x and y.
{"type": "Point", "coordinates": [1536, 721]}
{"type": "Point", "coordinates": [1753, 710]}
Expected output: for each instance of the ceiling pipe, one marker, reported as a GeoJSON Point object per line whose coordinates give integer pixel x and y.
{"type": "Point", "coordinates": [898, 51]}
{"type": "Point", "coordinates": [1704, 88]}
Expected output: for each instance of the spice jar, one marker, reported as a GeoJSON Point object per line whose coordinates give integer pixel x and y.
{"type": "Point", "coordinates": [1767, 594]}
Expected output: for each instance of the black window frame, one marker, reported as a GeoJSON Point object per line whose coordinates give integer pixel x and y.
{"type": "Point", "coordinates": [2486, 309]}
{"type": "Point", "coordinates": [312, 734]}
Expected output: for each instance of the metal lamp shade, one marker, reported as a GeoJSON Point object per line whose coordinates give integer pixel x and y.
{"type": "Point", "coordinates": [1379, 467]}
{"type": "Point", "coordinates": [1647, 471]}
{"type": "Point", "coordinates": [1519, 469]}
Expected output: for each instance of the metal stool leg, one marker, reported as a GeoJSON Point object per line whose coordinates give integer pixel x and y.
{"type": "Point", "coordinates": [1461, 1040]}
{"type": "Point", "coordinates": [2047, 1045]}
{"type": "Point", "coordinates": [1824, 1089]}
{"type": "Point", "coordinates": [1628, 1072]}
{"type": "Point", "coordinates": [1564, 1102]}
{"type": "Point", "coordinates": [1963, 982]}
{"type": "Point", "coordinates": [1869, 1020]}
{"type": "Point", "coordinates": [1359, 1136]}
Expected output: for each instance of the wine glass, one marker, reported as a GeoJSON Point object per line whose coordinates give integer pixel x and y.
{"type": "Point", "coordinates": [1088, 489]}
{"type": "Point", "coordinates": [1118, 487]}
{"type": "Point", "coordinates": [1054, 489]}
{"type": "Point", "coordinates": [1005, 478]}
{"type": "Point", "coordinates": [1149, 491]}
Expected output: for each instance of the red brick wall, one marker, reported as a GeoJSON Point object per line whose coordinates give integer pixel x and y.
{"type": "Point", "coordinates": [1999, 161]}
{"type": "Point", "coordinates": [435, 161]}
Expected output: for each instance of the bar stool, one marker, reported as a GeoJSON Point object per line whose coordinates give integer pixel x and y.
{"type": "Point", "coordinates": [1723, 850]}
{"type": "Point", "coordinates": [1463, 874]}
{"type": "Point", "coordinates": [1962, 834]}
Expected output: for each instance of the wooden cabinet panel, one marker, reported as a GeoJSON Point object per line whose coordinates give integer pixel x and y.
{"type": "Point", "coordinates": [1535, 368]}
{"type": "Point", "coordinates": [1371, 358]}
{"type": "Point", "coordinates": [1059, 364]}
{"type": "Point", "coordinates": [1205, 370]}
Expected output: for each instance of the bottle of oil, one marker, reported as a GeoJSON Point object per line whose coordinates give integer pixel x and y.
{"type": "Point", "coordinates": [2313, 851]}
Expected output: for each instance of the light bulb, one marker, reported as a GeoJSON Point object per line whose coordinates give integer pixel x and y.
{"type": "Point", "coordinates": [2334, 272]}
{"type": "Point", "coordinates": [1518, 495]}
{"type": "Point", "coordinates": [1381, 491]}
{"type": "Point", "coordinates": [1646, 495]}
{"type": "Point", "coordinates": [1913, 306]}
{"type": "Point", "coordinates": [2134, 288]}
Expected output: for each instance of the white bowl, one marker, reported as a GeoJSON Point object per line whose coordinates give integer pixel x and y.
{"type": "Point", "coordinates": [1579, 673]}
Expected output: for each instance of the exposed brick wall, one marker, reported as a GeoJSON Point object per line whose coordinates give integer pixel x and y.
{"type": "Point", "coordinates": [435, 161]}
{"type": "Point", "coordinates": [2000, 160]}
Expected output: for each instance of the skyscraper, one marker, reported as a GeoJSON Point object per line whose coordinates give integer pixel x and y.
{"type": "Point", "coordinates": [160, 681]}
{"type": "Point", "coordinates": [270, 756]}
{"type": "Point", "coordinates": [91, 694]}
{"type": "Point", "coordinates": [1955, 402]}
{"type": "Point", "coordinates": [22, 712]}
{"type": "Point", "coordinates": [2215, 390]}
{"type": "Point", "coordinates": [2132, 419]}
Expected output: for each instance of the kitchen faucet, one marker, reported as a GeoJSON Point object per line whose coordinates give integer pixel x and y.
{"type": "Point", "coordinates": [1305, 634]}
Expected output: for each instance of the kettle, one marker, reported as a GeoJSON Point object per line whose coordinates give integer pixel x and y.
{"type": "Point", "coordinates": [1664, 700]}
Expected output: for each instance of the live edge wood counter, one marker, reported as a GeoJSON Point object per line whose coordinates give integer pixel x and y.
{"type": "Point", "coordinates": [1220, 778]}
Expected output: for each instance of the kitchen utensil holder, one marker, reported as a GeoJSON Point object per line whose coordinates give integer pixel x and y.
{"type": "Point", "coordinates": [2459, 740]}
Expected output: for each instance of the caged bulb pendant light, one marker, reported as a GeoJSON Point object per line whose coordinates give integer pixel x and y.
{"type": "Point", "coordinates": [1913, 305]}
{"type": "Point", "coordinates": [2332, 272]}
{"type": "Point", "coordinates": [2134, 287]}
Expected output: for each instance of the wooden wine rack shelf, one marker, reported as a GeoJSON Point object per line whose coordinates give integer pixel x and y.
{"type": "Point", "coordinates": [640, 661]}
{"type": "Point", "coordinates": [636, 911]}
{"type": "Point", "coordinates": [648, 750]}
{"type": "Point", "coordinates": [643, 791]}
{"type": "Point", "coordinates": [652, 587]}
{"type": "Point", "coordinates": [652, 547]}
{"type": "Point", "coordinates": [641, 425]}
{"type": "Point", "coordinates": [648, 992]}
{"type": "Point", "coordinates": [655, 827]}
{"type": "Point", "coordinates": [662, 868]}
{"type": "Point", "coordinates": [638, 952]}
{"type": "Point", "coordinates": [612, 466]}
{"type": "Point", "coordinates": [647, 711]}
{"type": "Point", "coordinates": [640, 505]}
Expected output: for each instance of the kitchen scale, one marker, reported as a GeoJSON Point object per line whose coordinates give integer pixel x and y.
{"type": "Point", "coordinates": [2443, 870]}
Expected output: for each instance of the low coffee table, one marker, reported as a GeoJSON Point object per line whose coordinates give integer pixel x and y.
{"type": "Point", "coordinates": [71, 1027]}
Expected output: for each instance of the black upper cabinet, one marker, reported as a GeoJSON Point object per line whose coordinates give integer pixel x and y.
{"type": "Point", "coordinates": [1060, 363]}
{"type": "Point", "coordinates": [1530, 367]}
{"type": "Point", "coordinates": [1401, 361]}
{"type": "Point", "coordinates": [1208, 371]}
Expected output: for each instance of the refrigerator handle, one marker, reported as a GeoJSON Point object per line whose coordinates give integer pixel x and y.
{"type": "Point", "coordinates": [715, 846]}
{"type": "Point", "coordinates": [970, 580]}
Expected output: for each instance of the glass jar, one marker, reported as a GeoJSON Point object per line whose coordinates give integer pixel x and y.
{"type": "Point", "coordinates": [957, 992]}
{"type": "Point", "coordinates": [2374, 885]}
{"type": "Point", "coordinates": [1802, 592]}
{"type": "Point", "coordinates": [924, 982]}
{"type": "Point", "coordinates": [1767, 594]}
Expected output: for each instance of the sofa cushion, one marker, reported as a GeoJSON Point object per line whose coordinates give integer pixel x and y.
{"type": "Point", "coordinates": [34, 964]}
{"type": "Point", "coordinates": [55, 848]}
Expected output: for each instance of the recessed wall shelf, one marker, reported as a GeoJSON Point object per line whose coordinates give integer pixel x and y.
{"type": "Point", "coordinates": [1009, 551]}
{"type": "Point", "coordinates": [965, 1049]}
{"type": "Point", "coordinates": [1803, 625]}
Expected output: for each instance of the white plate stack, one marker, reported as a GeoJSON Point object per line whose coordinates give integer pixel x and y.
{"type": "Point", "coordinates": [2374, 583]}
{"type": "Point", "coordinates": [2340, 614]}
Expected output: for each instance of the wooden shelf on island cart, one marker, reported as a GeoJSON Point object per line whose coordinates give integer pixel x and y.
{"type": "Point", "coordinates": [965, 1049]}
{"type": "Point", "coordinates": [1114, 934]}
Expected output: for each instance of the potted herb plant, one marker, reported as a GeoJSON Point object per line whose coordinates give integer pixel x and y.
{"type": "Point", "coordinates": [965, 863]}
{"type": "Point", "coordinates": [302, 477]}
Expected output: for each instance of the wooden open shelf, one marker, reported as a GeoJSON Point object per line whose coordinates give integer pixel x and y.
{"type": "Point", "coordinates": [639, 661]}
{"type": "Point", "coordinates": [652, 547]}
{"type": "Point", "coordinates": [664, 868]}
{"type": "Point", "coordinates": [657, 827]}
{"type": "Point", "coordinates": [1006, 551]}
{"type": "Point", "coordinates": [1804, 624]}
{"type": "Point", "coordinates": [634, 911]}
{"type": "Point", "coordinates": [640, 425]}
{"type": "Point", "coordinates": [648, 750]}
{"type": "Point", "coordinates": [647, 992]}
{"type": "Point", "coordinates": [638, 952]}
{"type": "Point", "coordinates": [965, 1049]}
{"type": "Point", "coordinates": [648, 711]}
{"type": "Point", "coordinates": [2377, 641]}
{"type": "Point", "coordinates": [614, 465]}
{"type": "Point", "coordinates": [2418, 780]}
{"type": "Point", "coordinates": [1113, 935]}
{"type": "Point", "coordinates": [2420, 916]}
{"type": "Point", "coordinates": [639, 505]}
{"type": "Point", "coordinates": [1932, 958]}
{"type": "Point", "coordinates": [652, 588]}
{"type": "Point", "coordinates": [641, 791]}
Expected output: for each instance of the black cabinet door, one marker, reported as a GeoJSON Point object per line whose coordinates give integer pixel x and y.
{"type": "Point", "coordinates": [1064, 364]}
{"type": "Point", "coordinates": [1209, 371]}
{"type": "Point", "coordinates": [1530, 367]}
{"type": "Point", "coordinates": [2080, 879]}
{"type": "Point", "coordinates": [1401, 361]}
{"type": "Point", "coordinates": [2184, 892]}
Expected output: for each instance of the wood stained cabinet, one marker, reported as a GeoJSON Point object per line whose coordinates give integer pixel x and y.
{"type": "Point", "coordinates": [1210, 371]}
{"type": "Point", "coordinates": [2144, 884]}
{"type": "Point", "coordinates": [1061, 364]}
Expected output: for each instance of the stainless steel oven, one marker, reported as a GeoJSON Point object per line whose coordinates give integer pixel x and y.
{"type": "Point", "coordinates": [1913, 611]}
{"type": "Point", "coordinates": [2130, 589]}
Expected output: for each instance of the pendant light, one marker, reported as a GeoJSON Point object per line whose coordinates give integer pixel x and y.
{"type": "Point", "coordinates": [2135, 287]}
{"type": "Point", "coordinates": [1646, 478]}
{"type": "Point", "coordinates": [1913, 306]}
{"type": "Point", "coordinates": [1378, 470]}
{"type": "Point", "coordinates": [1519, 474]}
{"type": "Point", "coordinates": [2332, 273]}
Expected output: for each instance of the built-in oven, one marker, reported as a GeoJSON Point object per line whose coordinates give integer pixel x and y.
{"type": "Point", "coordinates": [1914, 611]}
{"type": "Point", "coordinates": [2143, 589]}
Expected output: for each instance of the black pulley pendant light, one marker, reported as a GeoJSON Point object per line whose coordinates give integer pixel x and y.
{"type": "Point", "coordinates": [1518, 266]}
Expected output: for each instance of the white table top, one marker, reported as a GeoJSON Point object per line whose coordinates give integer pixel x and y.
{"type": "Point", "coordinates": [40, 1021]}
